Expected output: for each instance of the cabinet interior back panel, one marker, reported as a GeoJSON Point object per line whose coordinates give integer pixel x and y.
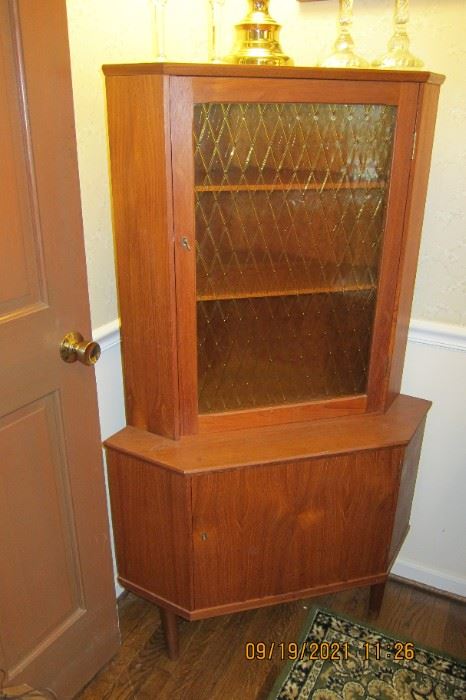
{"type": "Point", "coordinates": [290, 212]}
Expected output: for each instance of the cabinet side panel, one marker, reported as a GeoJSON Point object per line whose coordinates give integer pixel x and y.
{"type": "Point", "coordinates": [142, 210]}
{"type": "Point", "coordinates": [152, 527]}
{"type": "Point", "coordinates": [406, 491]}
{"type": "Point", "coordinates": [426, 118]}
{"type": "Point", "coordinates": [269, 530]}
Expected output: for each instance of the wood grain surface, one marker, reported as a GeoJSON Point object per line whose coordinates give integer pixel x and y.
{"type": "Point", "coordinates": [142, 211]}
{"type": "Point", "coordinates": [419, 179]}
{"type": "Point", "coordinates": [213, 663]}
{"type": "Point", "coordinates": [150, 111]}
{"type": "Point", "coordinates": [256, 89]}
{"type": "Point", "coordinates": [228, 537]}
{"type": "Point", "coordinates": [152, 527]}
{"type": "Point", "coordinates": [185, 249]}
{"type": "Point", "coordinates": [57, 596]}
{"type": "Point", "coordinates": [407, 482]}
{"type": "Point", "coordinates": [236, 511]}
{"type": "Point", "coordinates": [276, 415]}
{"type": "Point", "coordinates": [262, 532]}
{"type": "Point", "coordinates": [202, 69]}
{"type": "Point", "coordinates": [386, 316]}
{"type": "Point", "coordinates": [219, 451]}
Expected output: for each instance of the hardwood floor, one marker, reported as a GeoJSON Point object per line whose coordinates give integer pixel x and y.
{"type": "Point", "coordinates": [213, 666]}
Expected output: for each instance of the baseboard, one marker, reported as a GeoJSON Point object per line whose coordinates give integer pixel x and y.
{"type": "Point", "coordinates": [413, 572]}
{"type": "Point", "coordinates": [428, 589]}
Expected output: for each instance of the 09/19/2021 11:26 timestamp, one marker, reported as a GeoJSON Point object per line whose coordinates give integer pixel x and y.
{"type": "Point", "coordinates": [326, 651]}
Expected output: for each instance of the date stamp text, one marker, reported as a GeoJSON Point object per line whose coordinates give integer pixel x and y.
{"type": "Point", "coordinates": [326, 651]}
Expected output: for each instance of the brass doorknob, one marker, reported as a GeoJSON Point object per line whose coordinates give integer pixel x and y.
{"type": "Point", "coordinates": [73, 347]}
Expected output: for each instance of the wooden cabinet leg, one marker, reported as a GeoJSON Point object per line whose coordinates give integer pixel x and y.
{"type": "Point", "coordinates": [170, 632]}
{"type": "Point", "coordinates": [376, 598]}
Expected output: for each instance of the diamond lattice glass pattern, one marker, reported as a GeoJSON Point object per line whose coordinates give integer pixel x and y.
{"type": "Point", "coordinates": [290, 209]}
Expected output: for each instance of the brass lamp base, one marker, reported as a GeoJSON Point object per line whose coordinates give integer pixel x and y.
{"type": "Point", "coordinates": [257, 38]}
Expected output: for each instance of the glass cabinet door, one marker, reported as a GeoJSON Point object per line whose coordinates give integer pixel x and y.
{"type": "Point", "coordinates": [290, 204]}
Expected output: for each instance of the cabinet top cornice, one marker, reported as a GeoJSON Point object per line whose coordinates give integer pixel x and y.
{"type": "Point", "coordinates": [243, 71]}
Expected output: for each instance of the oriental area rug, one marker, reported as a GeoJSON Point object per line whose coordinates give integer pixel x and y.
{"type": "Point", "coordinates": [338, 659]}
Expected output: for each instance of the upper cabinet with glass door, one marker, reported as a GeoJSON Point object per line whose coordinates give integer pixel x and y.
{"type": "Point", "coordinates": [288, 206]}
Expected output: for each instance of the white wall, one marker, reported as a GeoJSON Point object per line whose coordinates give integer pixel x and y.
{"type": "Point", "coordinates": [435, 550]}
{"type": "Point", "coordinates": [112, 31]}
{"type": "Point", "coordinates": [109, 31]}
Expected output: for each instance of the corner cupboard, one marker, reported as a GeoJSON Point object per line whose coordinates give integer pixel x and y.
{"type": "Point", "coordinates": [267, 226]}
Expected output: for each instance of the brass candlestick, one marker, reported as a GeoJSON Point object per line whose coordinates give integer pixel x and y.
{"type": "Point", "coordinates": [257, 38]}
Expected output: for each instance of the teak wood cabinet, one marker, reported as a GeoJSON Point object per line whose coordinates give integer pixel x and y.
{"type": "Point", "coordinates": [267, 225]}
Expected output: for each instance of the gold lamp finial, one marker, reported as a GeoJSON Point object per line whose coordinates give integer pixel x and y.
{"type": "Point", "coordinates": [257, 38]}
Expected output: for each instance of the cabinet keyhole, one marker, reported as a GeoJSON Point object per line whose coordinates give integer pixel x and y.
{"type": "Point", "coordinates": [185, 243]}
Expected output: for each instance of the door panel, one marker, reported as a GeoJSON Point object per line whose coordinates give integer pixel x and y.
{"type": "Point", "coordinates": [20, 265]}
{"type": "Point", "coordinates": [35, 489]}
{"type": "Point", "coordinates": [268, 530]}
{"type": "Point", "coordinates": [290, 196]}
{"type": "Point", "coordinates": [58, 622]}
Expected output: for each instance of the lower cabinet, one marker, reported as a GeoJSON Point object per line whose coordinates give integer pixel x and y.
{"type": "Point", "coordinates": [276, 530]}
{"type": "Point", "coordinates": [203, 539]}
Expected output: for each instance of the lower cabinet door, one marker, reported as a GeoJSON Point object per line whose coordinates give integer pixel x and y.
{"type": "Point", "coordinates": [270, 530]}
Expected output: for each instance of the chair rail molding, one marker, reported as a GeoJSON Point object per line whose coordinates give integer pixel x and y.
{"type": "Point", "coordinates": [444, 335]}
{"type": "Point", "coordinates": [107, 335]}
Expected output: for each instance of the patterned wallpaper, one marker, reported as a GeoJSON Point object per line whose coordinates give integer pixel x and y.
{"type": "Point", "coordinates": [111, 31]}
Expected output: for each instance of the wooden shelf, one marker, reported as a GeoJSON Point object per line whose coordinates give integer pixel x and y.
{"type": "Point", "coordinates": [292, 186]}
{"type": "Point", "coordinates": [232, 280]}
{"type": "Point", "coordinates": [278, 351]}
